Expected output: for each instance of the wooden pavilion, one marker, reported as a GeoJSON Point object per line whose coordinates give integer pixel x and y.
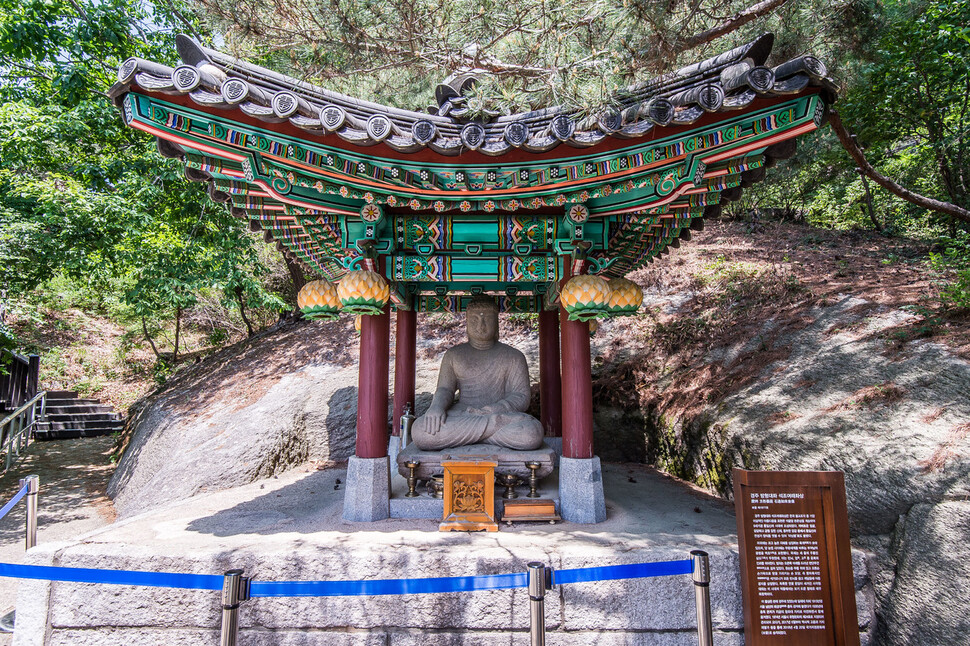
{"type": "Point", "coordinates": [444, 205]}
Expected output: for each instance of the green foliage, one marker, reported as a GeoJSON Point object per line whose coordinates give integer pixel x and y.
{"type": "Point", "coordinates": [955, 261]}
{"type": "Point", "coordinates": [65, 53]}
{"type": "Point", "coordinates": [904, 68]}
{"type": "Point", "coordinates": [578, 53]}
{"type": "Point", "coordinates": [87, 200]}
{"type": "Point", "coordinates": [912, 108]}
{"type": "Point", "coordinates": [8, 343]}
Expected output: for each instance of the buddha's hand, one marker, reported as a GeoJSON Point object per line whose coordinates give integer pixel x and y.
{"type": "Point", "coordinates": [433, 420]}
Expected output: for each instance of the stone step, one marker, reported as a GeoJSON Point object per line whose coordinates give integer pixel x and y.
{"type": "Point", "coordinates": [98, 423]}
{"type": "Point", "coordinates": [80, 408]}
{"type": "Point", "coordinates": [69, 416]}
{"type": "Point", "coordinates": [83, 416]}
{"type": "Point", "coordinates": [72, 433]}
{"type": "Point", "coordinates": [77, 401]}
{"type": "Point", "coordinates": [61, 394]}
{"type": "Point", "coordinates": [45, 432]}
{"type": "Point", "coordinates": [66, 430]}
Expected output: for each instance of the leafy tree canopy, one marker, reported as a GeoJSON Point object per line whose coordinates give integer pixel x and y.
{"type": "Point", "coordinates": [84, 196]}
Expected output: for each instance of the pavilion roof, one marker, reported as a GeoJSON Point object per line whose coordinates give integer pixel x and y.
{"type": "Point", "coordinates": [728, 82]}
{"type": "Point", "coordinates": [451, 205]}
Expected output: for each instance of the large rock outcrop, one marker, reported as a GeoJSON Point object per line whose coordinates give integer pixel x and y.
{"type": "Point", "coordinates": [841, 394]}
{"type": "Point", "coordinates": [895, 420]}
{"type": "Point", "coordinates": [248, 412]}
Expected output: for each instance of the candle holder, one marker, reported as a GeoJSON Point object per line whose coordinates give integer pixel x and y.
{"type": "Point", "coordinates": [510, 480]}
{"type": "Point", "coordinates": [412, 465]}
{"type": "Point", "coordinates": [533, 467]}
{"type": "Point", "coordinates": [436, 487]}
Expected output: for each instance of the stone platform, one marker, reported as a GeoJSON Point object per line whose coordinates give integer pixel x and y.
{"type": "Point", "coordinates": [509, 461]}
{"type": "Point", "coordinates": [290, 528]}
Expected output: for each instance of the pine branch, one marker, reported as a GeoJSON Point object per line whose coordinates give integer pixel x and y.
{"type": "Point", "coordinates": [730, 24]}
{"type": "Point", "coordinates": [899, 191]}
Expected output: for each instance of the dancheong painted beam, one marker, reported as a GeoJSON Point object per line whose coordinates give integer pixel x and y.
{"type": "Point", "coordinates": [448, 206]}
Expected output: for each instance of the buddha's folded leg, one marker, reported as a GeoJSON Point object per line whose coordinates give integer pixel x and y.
{"type": "Point", "coordinates": [517, 431]}
{"type": "Point", "coordinates": [458, 430]}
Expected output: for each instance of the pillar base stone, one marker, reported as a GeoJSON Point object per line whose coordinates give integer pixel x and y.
{"type": "Point", "coordinates": [368, 488]}
{"type": "Point", "coordinates": [581, 498]}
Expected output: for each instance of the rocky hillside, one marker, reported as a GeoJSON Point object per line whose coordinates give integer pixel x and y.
{"type": "Point", "coordinates": [761, 345]}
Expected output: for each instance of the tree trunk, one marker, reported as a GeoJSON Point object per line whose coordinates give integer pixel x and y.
{"type": "Point", "coordinates": [148, 337]}
{"type": "Point", "coordinates": [868, 198]}
{"type": "Point", "coordinates": [296, 275]}
{"type": "Point", "coordinates": [855, 152]}
{"type": "Point", "coordinates": [178, 325]}
{"type": "Point", "coordinates": [242, 312]}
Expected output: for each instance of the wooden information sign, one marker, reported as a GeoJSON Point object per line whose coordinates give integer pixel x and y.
{"type": "Point", "coordinates": [469, 496]}
{"type": "Point", "coordinates": [796, 562]}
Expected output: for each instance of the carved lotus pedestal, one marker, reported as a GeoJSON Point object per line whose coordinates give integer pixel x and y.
{"type": "Point", "coordinates": [469, 496]}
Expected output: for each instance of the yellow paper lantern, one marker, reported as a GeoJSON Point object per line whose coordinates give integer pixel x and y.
{"type": "Point", "coordinates": [363, 292]}
{"type": "Point", "coordinates": [625, 297]}
{"type": "Point", "coordinates": [318, 300]}
{"type": "Point", "coordinates": [585, 298]}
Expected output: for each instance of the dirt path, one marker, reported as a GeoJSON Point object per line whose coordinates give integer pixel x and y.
{"type": "Point", "coordinates": [73, 477]}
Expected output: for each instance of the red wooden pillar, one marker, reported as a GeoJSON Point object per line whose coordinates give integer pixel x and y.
{"type": "Point", "coordinates": [375, 341]}
{"type": "Point", "coordinates": [550, 381]}
{"type": "Point", "coordinates": [404, 356]}
{"type": "Point", "coordinates": [577, 389]}
{"type": "Point", "coordinates": [577, 382]}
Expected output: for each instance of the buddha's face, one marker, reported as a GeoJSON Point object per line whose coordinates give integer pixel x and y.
{"type": "Point", "coordinates": [482, 325]}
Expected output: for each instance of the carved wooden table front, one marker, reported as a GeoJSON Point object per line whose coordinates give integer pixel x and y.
{"type": "Point", "coordinates": [469, 496]}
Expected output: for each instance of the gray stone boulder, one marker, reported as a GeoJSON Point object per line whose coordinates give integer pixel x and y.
{"type": "Point", "coordinates": [844, 400]}
{"type": "Point", "coordinates": [842, 396]}
{"type": "Point", "coordinates": [930, 595]}
{"type": "Point", "coordinates": [248, 412]}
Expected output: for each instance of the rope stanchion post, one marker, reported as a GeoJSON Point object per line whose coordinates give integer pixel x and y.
{"type": "Point", "coordinates": [33, 488]}
{"type": "Point", "coordinates": [537, 610]}
{"type": "Point", "coordinates": [701, 576]}
{"type": "Point", "coordinates": [235, 590]}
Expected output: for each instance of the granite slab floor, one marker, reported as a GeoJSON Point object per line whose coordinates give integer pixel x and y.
{"type": "Point", "coordinates": [290, 528]}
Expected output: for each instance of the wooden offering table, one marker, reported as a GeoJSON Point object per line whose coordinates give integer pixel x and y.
{"type": "Point", "coordinates": [469, 496]}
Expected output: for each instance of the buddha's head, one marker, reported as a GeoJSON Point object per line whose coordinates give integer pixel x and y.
{"type": "Point", "coordinates": [481, 321]}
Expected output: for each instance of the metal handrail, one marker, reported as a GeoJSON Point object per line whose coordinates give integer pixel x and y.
{"type": "Point", "coordinates": [6, 420]}
{"type": "Point", "coordinates": [15, 428]}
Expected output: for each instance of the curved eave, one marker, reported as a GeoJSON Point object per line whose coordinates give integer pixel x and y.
{"type": "Point", "coordinates": [734, 80]}
{"type": "Point", "coordinates": [643, 174]}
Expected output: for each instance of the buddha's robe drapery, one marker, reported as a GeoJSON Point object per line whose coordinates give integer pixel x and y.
{"type": "Point", "coordinates": [497, 378]}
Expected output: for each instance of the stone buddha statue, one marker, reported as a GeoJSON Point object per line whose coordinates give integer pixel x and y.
{"type": "Point", "coordinates": [492, 382]}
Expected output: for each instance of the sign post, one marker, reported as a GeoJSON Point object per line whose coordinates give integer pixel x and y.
{"type": "Point", "coordinates": [796, 562]}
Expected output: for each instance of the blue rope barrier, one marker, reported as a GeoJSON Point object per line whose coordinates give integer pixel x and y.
{"type": "Point", "coordinates": [375, 587]}
{"type": "Point", "coordinates": [632, 571]}
{"type": "Point", "coordinates": [113, 577]}
{"type": "Point", "coordinates": [389, 586]}
{"type": "Point", "coordinates": [13, 501]}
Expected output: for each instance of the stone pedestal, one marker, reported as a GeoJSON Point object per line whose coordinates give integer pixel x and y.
{"type": "Point", "coordinates": [368, 489]}
{"type": "Point", "coordinates": [508, 460]}
{"type": "Point", "coordinates": [581, 498]}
